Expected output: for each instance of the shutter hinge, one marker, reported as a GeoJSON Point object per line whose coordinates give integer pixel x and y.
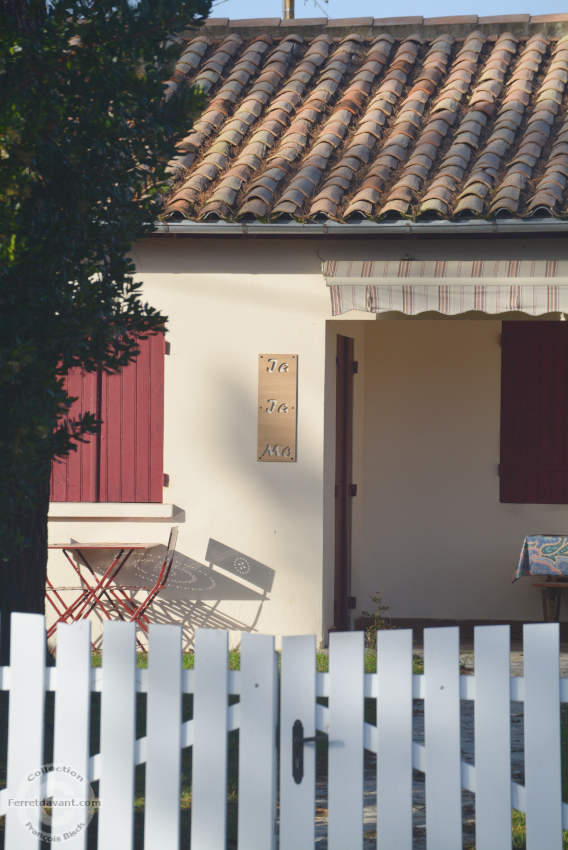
{"type": "Point", "coordinates": [336, 490]}
{"type": "Point", "coordinates": [352, 602]}
{"type": "Point", "coordinates": [353, 489]}
{"type": "Point", "coordinates": [166, 479]}
{"type": "Point", "coordinates": [355, 367]}
{"type": "Point", "coordinates": [501, 340]}
{"type": "Point", "coordinates": [499, 469]}
{"type": "Point", "coordinates": [167, 347]}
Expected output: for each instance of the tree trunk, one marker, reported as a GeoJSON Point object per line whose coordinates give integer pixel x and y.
{"type": "Point", "coordinates": [22, 578]}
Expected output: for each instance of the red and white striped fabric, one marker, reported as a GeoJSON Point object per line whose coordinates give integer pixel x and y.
{"type": "Point", "coordinates": [414, 286]}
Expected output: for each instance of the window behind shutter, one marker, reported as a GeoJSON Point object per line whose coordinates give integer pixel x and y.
{"type": "Point", "coordinates": [74, 478]}
{"type": "Point", "coordinates": [124, 463]}
{"type": "Point", "coordinates": [534, 413]}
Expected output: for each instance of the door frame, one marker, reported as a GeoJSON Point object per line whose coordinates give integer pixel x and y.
{"type": "Point", "coordinates": [345, 369]}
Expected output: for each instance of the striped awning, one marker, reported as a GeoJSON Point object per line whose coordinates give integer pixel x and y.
{"type": "Point", "coordinates": [415, 286]}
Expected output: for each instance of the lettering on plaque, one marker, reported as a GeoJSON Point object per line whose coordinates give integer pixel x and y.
{"type": "Point", "coordinates": [282, 408]}
{"type": "Point", "coordinates": [276, 452]}
{"type": "Point", "coordinates": [273, 362]}
{"type": "Point", "coordinates": [277, 401]}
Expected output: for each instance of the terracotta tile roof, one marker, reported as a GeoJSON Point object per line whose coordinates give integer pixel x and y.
{"type": "Point", "coordinates": [377, 126]}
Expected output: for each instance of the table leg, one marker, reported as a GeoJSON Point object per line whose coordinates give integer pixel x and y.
{"type": "Point", "coordinates": [105, 590]}
{"type": "Point", "coordinates": [95, 593]}
{"type": "Point", "coordinates": [77, 609]}
{"type": "Point", "coordinates": [68, 611]}
{"type": "Point", "coordinates": [551, 604]}
{"type": "Point", "coordinates": [50, 589]}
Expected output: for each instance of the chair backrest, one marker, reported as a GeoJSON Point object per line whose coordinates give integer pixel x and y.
{"type": "Point", "coordinates": [172, 545]}
{"type": "Point", "coordinates": [168, 560]}
{"type": "Point", "coordinates": [165, 570]}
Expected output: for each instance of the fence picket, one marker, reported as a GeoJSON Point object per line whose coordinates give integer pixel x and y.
{"type": "Point", "coordinates": [257, 743]}
{"type": "Point", "coordinates": [345, 746]}
{"type": "Point", "coordinates": [209, 761]}
{"type": "Point", "coordinates": [72, 720]}
{"type": "Point", "coordinates": [541, 646]}
{"type": "Point", "coordinates": [118, 736]}
{"type": "Point", "coordinates": [298, 702]}
{"type": "Point", "coordinates": [442, 739]}
{"type": "Point", "coordinates": [492, 736]}
{"type": "Point", "coordinates": [25, 724]}
{"type": "Point", "coordinates": [256, 717]}
{"type": "Point", "coordinates": [163, 733]}
{"type": "Point", "coordinates": [394, 740]}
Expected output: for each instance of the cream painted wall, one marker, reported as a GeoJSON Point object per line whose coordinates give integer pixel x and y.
{"type": "Point", "coordinates": [436, 539]}
{"type": "Point", "coordinates": [229, 300]}
{"type": "Point", "coordinates": [272, 512]}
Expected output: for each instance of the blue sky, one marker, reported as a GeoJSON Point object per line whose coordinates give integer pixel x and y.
{"type": "Point", "coordinates": [380, 9]}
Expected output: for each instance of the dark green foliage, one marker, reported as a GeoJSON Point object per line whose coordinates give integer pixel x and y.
{"type": "Point", "coordinates": [85, 137]}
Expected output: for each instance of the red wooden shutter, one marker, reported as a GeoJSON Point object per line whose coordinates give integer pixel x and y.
{"type": "Point", "coordinates": [74, 478]}
{"type": "Point", "coordinates": [124, 463]}
{"type": "Point", "coordinates": [534, 413]}
{"type": "Point", "coordinates": [132, 435]}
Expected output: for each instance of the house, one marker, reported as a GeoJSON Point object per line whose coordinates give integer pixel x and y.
{"type": "Point", "coordinates": [365, 379]}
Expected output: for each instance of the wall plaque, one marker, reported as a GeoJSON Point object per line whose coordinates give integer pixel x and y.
{"type": "Point", "coordinates": [277, 407]}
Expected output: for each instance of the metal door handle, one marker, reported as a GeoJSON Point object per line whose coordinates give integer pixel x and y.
{"type": "Point", "coordinates": [298, 742]}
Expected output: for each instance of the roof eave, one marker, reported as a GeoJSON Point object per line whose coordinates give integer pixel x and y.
{"type": "Point", "coordinates": [546, 227]}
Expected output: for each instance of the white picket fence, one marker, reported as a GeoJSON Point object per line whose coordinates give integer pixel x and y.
{"type": "Point", "coordinates": [256, 716]}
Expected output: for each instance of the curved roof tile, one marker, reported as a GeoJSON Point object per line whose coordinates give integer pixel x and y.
{"type": "Point", "coordinates": [375, 127]}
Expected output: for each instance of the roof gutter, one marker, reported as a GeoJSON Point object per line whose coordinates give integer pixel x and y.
{"type": "Point", "coordinates": [366, 228]}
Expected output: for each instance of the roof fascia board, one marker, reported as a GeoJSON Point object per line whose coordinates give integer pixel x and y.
{"type": "Point", "coordinates": [547, 227]}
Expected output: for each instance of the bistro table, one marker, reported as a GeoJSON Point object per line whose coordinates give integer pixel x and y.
{"type": "Point", "coordinates": [100, 592]}
{"type": "Point", "coordinates": [546, 555]}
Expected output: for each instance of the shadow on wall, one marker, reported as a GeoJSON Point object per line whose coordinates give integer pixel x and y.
{"type": "Point", "coordinates": [195, 591]}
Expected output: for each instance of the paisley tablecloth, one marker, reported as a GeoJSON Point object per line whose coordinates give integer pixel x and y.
{"type": "Point", "coordinates": [543, 555]}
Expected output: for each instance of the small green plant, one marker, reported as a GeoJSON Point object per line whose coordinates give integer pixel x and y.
{"type": "Point", "coordinates": [380, 619]}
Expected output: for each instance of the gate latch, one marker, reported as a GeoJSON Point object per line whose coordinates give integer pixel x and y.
{"type": "Point", "coordinates": [298, 742]}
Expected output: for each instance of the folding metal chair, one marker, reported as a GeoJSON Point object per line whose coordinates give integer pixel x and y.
{"type": "Point", "coordinates": [126, 607]}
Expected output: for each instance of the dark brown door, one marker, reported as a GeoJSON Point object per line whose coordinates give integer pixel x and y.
{"type": "Point", "coordinates": [343, 482]}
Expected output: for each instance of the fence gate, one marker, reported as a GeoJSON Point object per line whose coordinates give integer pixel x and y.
{"type": "Point", "coordinates": [311, 704]}
{"type": "Point", "coordinates": [300, 717]}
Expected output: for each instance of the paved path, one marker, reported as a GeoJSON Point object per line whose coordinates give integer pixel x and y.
{"type": "Point", "coordinates": [419, 803]}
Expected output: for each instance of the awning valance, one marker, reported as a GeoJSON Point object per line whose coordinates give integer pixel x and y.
{"type": "Point", "coordinates": [450, 287]}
